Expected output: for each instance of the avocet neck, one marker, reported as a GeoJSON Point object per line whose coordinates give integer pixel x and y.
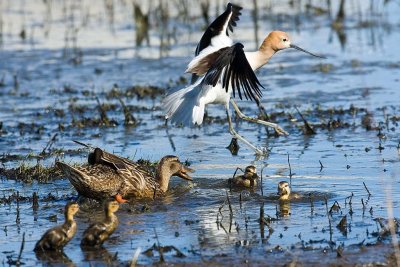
{"type": "Point", "coordinates": [258, 59]}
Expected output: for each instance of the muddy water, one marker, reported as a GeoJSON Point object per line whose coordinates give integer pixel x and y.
{"type": "Point", "coordinates": [347, 98]}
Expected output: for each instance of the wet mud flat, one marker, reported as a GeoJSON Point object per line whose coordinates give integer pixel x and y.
{"type": "Point", "coordinates": [342, 154]}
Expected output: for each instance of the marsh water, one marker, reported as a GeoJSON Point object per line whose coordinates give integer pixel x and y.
{"type": "Point", "coordinates": [64, 64]}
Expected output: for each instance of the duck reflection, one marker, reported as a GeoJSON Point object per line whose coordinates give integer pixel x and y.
{"type": "Point", "coordinates": [284, 208]}
{"type": "Point", "coordinates": [99, 254]}
{"type": "Point", "coordinates": [51, 257]}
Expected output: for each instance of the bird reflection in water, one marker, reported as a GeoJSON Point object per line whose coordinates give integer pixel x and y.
{"type": "Point", "coordinates": [284, 208]}
{"type": "Point", "coordinates": [99, 255]}
{"type": "Point", "coordinates": [53, 258]}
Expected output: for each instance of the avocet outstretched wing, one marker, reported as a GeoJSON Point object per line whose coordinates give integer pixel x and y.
{"type": "Point", "coordinates": [231, 68]}
{"type": "Point", "coordinates": [217, 34]}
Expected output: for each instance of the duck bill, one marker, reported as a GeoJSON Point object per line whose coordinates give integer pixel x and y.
{"type": "Point", "coordinates": [305, 51]}
{"type": "Point", "coordinates": [183, 173]}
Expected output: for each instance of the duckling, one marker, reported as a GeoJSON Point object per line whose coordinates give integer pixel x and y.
{"type": "Point", "coordinates": [57, 237]}
{"type": "Point", "coordinates": [248, 179]}
{"type": "Point", "coordinates": [97, 233]}
{"type": "Point", "coordinates": [283, 190]}
{"type": "Point", "coordinates": [108, 175]}
{"type": "Point", "coordinates": [285, 193]}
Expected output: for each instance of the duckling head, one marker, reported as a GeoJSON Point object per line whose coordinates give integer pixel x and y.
{"type": "Point", "coordinates": [251, 172]}
{"type": "Point", "coordinates": [111, 206]}
{"type": "Point", "coordinates": [71, 209]}
{"type": "Point", "coordinates": [171, 166]}
{"type": "Point", "coordinates": [283, 190]}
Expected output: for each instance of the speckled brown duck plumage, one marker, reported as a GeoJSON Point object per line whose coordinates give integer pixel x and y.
{"type": "Point", "coordinates": [108, 175]}
{"type": "Point", "coordinates": [57, 237]}
{"type": "Point", "coordinates": [97, 233]}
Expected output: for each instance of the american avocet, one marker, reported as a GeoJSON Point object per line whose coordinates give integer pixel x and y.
{"type": "Point", "coordinates": [224, 69]}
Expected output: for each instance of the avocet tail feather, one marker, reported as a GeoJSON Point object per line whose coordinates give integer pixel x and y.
{"type": "Point", "coordinates": [183, 107]}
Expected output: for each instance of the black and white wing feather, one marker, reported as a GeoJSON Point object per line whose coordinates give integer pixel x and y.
{"type": "Point", "coordinates": [232, 69]}
{"type": "Point", "coordinates": [220, 26]}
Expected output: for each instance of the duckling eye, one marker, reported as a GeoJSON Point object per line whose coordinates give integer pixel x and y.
{"type": "Point", "coordinates": [284, 39]}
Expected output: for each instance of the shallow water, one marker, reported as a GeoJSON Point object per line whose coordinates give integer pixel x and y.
{"type": "Point", "coordinates": [58, 84]}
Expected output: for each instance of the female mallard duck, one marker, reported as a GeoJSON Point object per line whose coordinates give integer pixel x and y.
{"type": "Point", "coordinates": [97, 233]}
{"type": "Point", "coordinates": [248, 179]}
{"type": "Point", "coordinates": [108, 175]}
{"type": "Point", "coordinates": [57, 237]}
{"type": "Point", "coordinates": [285, 193]}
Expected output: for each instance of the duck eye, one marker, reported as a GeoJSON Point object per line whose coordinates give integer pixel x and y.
{"type": "Point", "coordinates": [284, 39]}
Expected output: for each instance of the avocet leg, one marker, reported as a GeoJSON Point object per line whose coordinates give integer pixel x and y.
{"type": "Point", "coordinates": [277, 128]}
{"type": "Point", "coordinates": [241, 138]}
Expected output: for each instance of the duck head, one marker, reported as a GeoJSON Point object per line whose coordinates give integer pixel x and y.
{"type": "Point", "coordinates": [283, 190]}
{"type": "Point", "coordinates": [171, 166]}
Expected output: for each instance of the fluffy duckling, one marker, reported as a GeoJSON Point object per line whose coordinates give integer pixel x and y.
{"type": "Point", "coordinates": [248, 179]}
{"type": "Point", "coordinates": [97, 233]}
{"type": "Point", "coordinates": [285, 193]}
{"type": "Point", "coordinates": [108, 175]}
{"type": "Point", "coordinates": [57, 237]}
{"type": "Point", "coordinates": [283, 190]}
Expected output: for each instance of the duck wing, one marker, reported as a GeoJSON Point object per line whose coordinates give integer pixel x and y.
{"type": "Point", "coordinates": [93, 181]}
{"type": "Point", "coordinates": [121, 165]}
{"type": "Point", "coordinates": [95, 235]}
{"type": "Point", "coordinates": [231, 68]}
{"type": "Point", "coordinates": [137, 183]}
{"type": "Point", "coordinates": [53, 239]}
{"type": "Point", "coordinates": [99, 156]}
